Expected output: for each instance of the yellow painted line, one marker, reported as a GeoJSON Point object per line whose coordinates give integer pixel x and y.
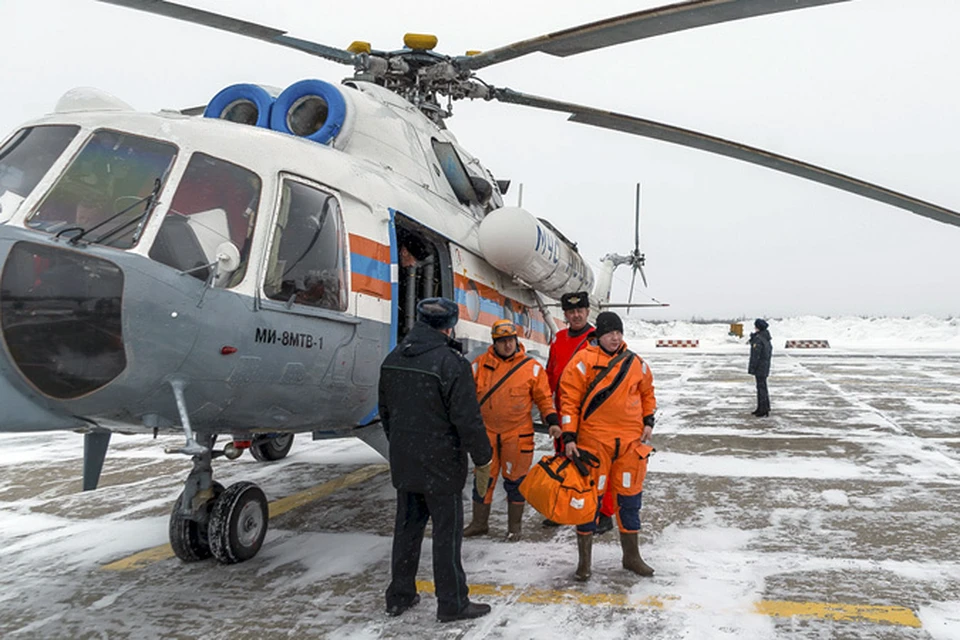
{"type": "Point", "coordinates": [277, 507]}
{"type": "Point", "coordinates": [840, 612]}
{"type": "Point", "coordinates": [557, 596]}
{"type": "Point", "coordinates": [281, 506]}
{"type": "Point", "coordinates": [893, 615]}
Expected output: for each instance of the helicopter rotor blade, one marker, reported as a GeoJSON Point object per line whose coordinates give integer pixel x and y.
{"type": "Point", "coordinates": [234, 25]}
{"type": "Point", "coordinates": [720, 146]}
{"type": "Point", "coordinates": [637, 26]}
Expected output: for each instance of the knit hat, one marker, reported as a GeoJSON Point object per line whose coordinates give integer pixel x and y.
{"type": "Point", "coordinates": [575, 300]}
{"type": "Point", "coordinates": [760, 324]}
{"type": "Point", "coordinates": [439, 313]}
{"type": "Point", "coordinates": [608, 321]}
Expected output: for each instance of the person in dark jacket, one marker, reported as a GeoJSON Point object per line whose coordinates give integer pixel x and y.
{"type": "Point", "coordinates": [429, 411]}
{"type": "Point", "coordinates": [761, 350]}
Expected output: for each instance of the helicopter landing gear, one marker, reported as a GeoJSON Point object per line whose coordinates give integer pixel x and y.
{"type": "Point", "coordinates": [238, 523]}
{"type": "Point", "coordinates": [210, 520]}
{"type": "Point", "coordinates": [267, 448]}
{"type": "Point", "coordinates": [188, 537]}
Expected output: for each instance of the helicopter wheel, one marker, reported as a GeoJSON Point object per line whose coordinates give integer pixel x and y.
{"type": "Point", "coordinates": [271, 448]}
{"type": "Point", "coordinates": [238, 523]}
{"type": "Point", "coordinates": [189, 537]}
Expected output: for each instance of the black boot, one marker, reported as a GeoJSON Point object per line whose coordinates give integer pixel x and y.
{"type": "Point", "coordinates": [604, 524]}
{"type": "Point", "coordinates": [472, 610]}
{"type": "Point", "coordinates": [396, 609]}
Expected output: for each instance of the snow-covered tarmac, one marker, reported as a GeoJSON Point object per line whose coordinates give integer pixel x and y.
{"type": "Point", "coordinates": [836, 517]}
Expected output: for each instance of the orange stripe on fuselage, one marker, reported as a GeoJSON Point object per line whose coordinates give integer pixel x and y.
{"type": "Point", "coordinates": [370, 248]}
{"type": "Point", "coordinates": [371, 286]}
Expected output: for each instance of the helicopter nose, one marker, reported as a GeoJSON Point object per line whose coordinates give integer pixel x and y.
{"type": "Point", "coordinates": [60, 316]}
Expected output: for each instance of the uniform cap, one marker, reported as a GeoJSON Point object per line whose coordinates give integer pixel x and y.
{"type": "Point", "coordinates": [608, 321]}
{"type": "Point", "coordinates": [439, 313]}
{"type": "Point", "coordinates": [575, 300]}
{"type": "Point", "coordinates": [760, 324]}
{"type": "Point", "coordinates": [503, 329]}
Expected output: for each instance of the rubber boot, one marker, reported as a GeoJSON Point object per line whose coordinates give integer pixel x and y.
{"type": "Point", "coordinates": [480, 524]}
{"type": "Point", "coordinates": [631, 555]}
{"type": "Point", "coordinates": [585, 551]}
{"type": "Point", "coordinates": [514, 520]}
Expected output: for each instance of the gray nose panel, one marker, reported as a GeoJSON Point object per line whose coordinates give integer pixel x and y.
{"type": "Point", "coordinates": [60, 313]}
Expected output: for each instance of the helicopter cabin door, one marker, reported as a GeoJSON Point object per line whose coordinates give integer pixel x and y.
{"type": "Point", "coordinates": [424, 270]}
{"type": "Point", "coordinates": [303, 320]}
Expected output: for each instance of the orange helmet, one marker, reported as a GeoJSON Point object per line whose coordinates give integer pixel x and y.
{"type": "Point", "coordinates": [503, 329]}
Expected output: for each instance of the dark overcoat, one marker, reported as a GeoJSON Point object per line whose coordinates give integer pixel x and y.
{"type": "Point", "coordinates": [761, 350]}
{"type": "Point", "coordinates": [430, 414]}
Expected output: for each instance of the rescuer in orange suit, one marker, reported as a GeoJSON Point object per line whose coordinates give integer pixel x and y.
{"type": "Point", "coordinates": [576, 309]}
{"type": "Point", "coordinates": [613, 419]}
{"type": "Point", "coordinates": [509, 382]}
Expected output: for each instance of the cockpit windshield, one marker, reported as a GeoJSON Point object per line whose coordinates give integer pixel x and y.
{"type": "Point", "coordinates": [25, 159]}
{"type": "Point", "coordinates": [216, 202]}
{"type": "Point", "coordinates": [105, 193]}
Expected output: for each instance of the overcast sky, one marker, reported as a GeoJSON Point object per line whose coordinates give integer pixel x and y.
{"type": "Point", "coordinates": [866, 88]}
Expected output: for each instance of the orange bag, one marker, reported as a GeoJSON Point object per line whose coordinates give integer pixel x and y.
{"type": "Point", "coordinates": [560, 491]}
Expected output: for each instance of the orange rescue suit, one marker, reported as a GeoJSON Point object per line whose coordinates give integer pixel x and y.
{"type": "Point", "coordinates": [609, 421]}
{"type": "Point", "coordinates": [507, 413]}
{"type": "Point", "coordinates": [563, 348]}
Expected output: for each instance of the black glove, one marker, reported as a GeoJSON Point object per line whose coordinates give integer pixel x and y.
{"type": "Point", "coordinates": [648, 421]}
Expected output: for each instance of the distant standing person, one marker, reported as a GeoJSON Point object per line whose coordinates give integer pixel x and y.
{"type": "Point", "coordinates": [429, 411]}
{"type": "Point", "coordinates": [761, 350]}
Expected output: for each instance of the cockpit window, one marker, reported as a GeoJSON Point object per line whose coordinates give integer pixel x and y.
{"type": "Point", "coordinates": [25, 159]}
{"type": "Point", "coordinates": [108, 191]}
{"type": "Point", "coordinates": [307, 258]}
{"type": "Point", "coordinates": [216, 202]}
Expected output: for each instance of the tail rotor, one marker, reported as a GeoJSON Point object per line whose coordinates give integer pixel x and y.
{"type": "Point", "coordinates": [636, 259]}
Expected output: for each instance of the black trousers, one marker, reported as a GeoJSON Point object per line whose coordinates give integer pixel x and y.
{"type": "Point", "coordinates": [763, 396]}
{"type": "Point", "coordinates": [413, 511]}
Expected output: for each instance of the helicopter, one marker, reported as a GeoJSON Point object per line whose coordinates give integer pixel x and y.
{"type": "Point", "coordinates": [241, 269]}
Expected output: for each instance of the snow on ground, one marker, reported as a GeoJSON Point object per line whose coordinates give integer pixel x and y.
{"type": "Point", "coordinates": [924, 333]}
{"type": "Point", "coordinates": [845, 497]}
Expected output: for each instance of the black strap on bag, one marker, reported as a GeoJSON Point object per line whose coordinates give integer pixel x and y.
{"type": "Point", "coordinates": [603, 374]}
{"type": "Point", "coordinates": [487, 395]}
{"type": "Point", "coordinates": [584, 460]}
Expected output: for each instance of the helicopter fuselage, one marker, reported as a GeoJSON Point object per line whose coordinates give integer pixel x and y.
{"type": "Point", "coordinates": [102, 316]}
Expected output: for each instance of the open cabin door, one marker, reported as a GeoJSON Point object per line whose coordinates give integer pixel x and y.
{"type": "Point", "coordinates": [423, 270]}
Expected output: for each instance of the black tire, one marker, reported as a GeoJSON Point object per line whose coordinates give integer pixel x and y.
{"type": "Point", "coordinates": [238, 523]}
{"type": "Point", "coordinates": [188, 537]}
{"type": "Point", "coordinates": [272, 447]}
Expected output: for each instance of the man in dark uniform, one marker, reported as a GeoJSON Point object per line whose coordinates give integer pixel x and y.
{"type": "Point", "coordinates": [429, 411]}
{"type": "Point", "coordinates": [761, 351]}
